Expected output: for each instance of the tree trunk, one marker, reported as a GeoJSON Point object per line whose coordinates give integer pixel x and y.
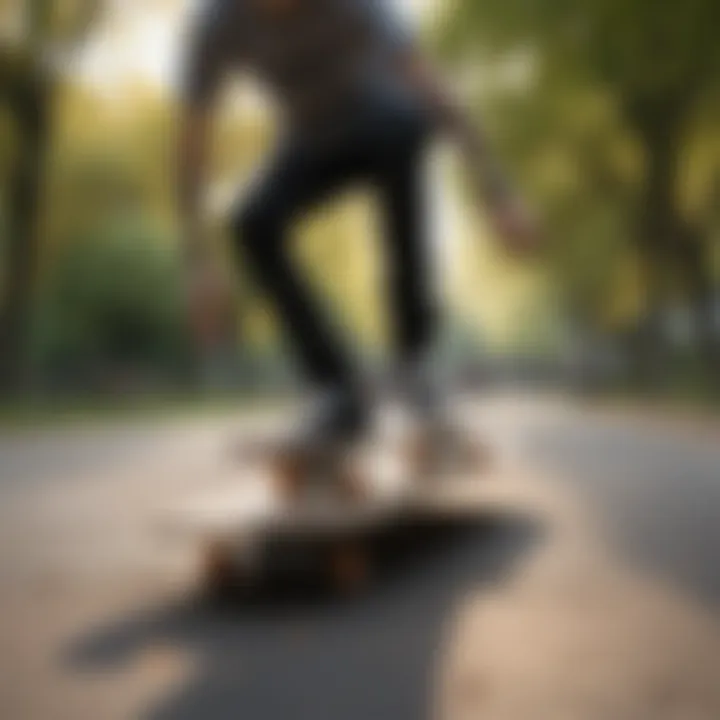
{"type": "Point", "coordinates": [27, 86]}
{"type": "Point", "coordinates": [697, 275]}
{"type": "Point", "coordinates": [30, 110]}
{"type": "Point", "coordinates": [658, 122]}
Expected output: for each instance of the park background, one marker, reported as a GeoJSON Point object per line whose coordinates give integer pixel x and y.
{"type": "Point", "coordinates": [606, 112]}
{"type": "Point", "coordinates": [586, 584]}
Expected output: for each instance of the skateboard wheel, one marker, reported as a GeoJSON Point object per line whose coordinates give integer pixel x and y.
{"type": "Point", "coordinates": [350, 568]}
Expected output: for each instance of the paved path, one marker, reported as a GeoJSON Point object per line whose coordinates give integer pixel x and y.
{"type": "Point", "coordinates": [98, 622]}
{"type": "Point", "coordinates": [654, 485]}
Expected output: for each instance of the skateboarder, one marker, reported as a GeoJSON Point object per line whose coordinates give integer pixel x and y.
{"type": "Point", "coordinates": [357, 104]}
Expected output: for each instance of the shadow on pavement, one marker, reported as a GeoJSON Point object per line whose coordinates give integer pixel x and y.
{"type": "Point", "coordinates": [311, 656]}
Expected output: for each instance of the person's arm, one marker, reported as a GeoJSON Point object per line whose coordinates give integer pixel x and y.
{"type": "Point", "coordinates": [491, 181]}
{"type": "Point", "coordinates": [407, 59]}
{"type": "Point", "coordinates": [508, 213]}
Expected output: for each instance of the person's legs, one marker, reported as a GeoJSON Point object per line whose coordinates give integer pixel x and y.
{"type": "Point", "coordinates": [298, 179]}
{"type": "Point", "coordinates": [409, 275]}
{"type": "Point", "coordinates": [410, 283]}
{"type": "Point", "coordinates": [383, 142]}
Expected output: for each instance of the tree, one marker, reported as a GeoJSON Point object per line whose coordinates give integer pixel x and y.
{"type": "Point", "coordinates": [657, 64]}
{"type": "Point", "coordinates": [28, 79]}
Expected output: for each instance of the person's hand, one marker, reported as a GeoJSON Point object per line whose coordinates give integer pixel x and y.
{"type": "Point", "coordinates": [516, 226]}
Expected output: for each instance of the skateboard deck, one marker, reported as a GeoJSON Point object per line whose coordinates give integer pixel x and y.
{"type": "Point", "coordinates": [247, 533]}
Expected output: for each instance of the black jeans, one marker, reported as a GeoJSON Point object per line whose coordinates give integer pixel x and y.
{"type": "Point", "coordinates": [381, 143]}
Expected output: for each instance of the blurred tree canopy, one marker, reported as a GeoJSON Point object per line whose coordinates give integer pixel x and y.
{"type": "Point", "coordinates": [110, 305]}
{"type": "Point", "coordinates": [610, 109]}
{"type": "Point", "coordinates": [607, 109]}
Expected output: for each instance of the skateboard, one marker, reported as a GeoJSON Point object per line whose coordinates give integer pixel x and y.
{"type": "Point", "coordinates": [308, 517]}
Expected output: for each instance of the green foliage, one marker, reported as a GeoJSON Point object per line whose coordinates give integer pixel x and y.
{"type": "Point", "coordinates": [112, 300]}
{"type": "Point", "coordinates": [642, 46]}
{"type": "Point", "coordinates": [59, 22]}
{"type": "Point", "coordinates": [598, 127]}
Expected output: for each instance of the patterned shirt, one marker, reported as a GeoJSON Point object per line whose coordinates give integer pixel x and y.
{"type": "Point", "coordinates": [312, 55]}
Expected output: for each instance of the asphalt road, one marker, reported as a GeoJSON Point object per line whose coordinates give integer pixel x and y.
{"type": "Point", "coordinates": [93, 628]}
{"type": "Point", "coordinates": [653, 484]}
